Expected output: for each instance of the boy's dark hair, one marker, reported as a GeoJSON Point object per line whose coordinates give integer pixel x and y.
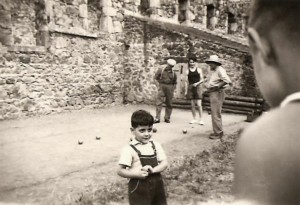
{"type": "Point", "coordinates": [141, 118]}
{"type": "Point", "coordinates": [266, 15]}
{"type": "Point", "coordinates": [194, 58]}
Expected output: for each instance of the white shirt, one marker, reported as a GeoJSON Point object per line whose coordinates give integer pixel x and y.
{"type": "Point", "coordinates": [130, 158]}
{"type": "Point", "coordinates": [218, 76]}
{"type": "Point", "coordinates": [290, 98]}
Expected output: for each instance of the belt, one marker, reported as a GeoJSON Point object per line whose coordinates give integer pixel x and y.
{"type": "Point", "coordinates": [219, 90]}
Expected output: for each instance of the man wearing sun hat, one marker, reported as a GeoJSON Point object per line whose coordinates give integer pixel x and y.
{"type": "Point", "coordinates": [166, 82]}
{"type": "Point", "coordinates": [218, 79]}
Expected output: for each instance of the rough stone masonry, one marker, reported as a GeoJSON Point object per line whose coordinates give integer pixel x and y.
{"type": "Point", "coordinates": [58, 55]}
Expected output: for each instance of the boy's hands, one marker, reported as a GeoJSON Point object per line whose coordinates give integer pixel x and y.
{"type": "Point", "coordinates": [142, 174]}
{"type": "Point", "coordinates": [148, 169]}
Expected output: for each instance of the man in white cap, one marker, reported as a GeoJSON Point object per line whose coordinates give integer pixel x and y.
{"type": "Point", "coordinates": [217, 81]}
{"type": "Point", "coordinates": [166, 82]}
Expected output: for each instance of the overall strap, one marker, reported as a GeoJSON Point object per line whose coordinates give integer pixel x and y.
{"type": "Point", "coordinates": [153, 146]}
{"type": "Point", "coordinates": [139, 153]}
{"type": "Point", "coordinates": [135, 149]}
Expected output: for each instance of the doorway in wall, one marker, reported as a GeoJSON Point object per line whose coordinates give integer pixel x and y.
{"type": "Point", "coordinates": [211, 17]}
{"type": "Point", "coordinates": [180, 70]}
{"type": "Point", "coordinates": [232, 23]}
{"type": "Point", "coordinates": [182, 10]}
{"type": "Point", "coordinates": [145, 7]}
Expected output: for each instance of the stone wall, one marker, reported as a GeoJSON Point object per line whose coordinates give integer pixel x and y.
{"type": "Point", "coordinates": [227, 17]}
{"type": "Point", "coordinates": [222, 16]}
{"type": "Point", "coordinates": [147, 50]}
{"type": "Point", "coordinates": [59, 55]}
{"type": "Point", "coordinates": [76, 73]}
{"type": "Point", "coordinates": [23, 23]}
{"type": "Point", "coordinates": [73, 64]}
{"type": "Point", "coordinates": [149, 46]}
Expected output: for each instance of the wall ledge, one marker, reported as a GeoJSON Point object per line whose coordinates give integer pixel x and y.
{"type": "Point", "coordinates": [73, 31]}
{"type": "Point", "coordinates": [27, 49]}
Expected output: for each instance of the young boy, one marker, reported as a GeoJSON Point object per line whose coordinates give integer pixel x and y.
{"type": "Point", "coordinates": [142, 161]}
{"type": "Point", "coordinates": [194, 89]}
{"type": "Point", "coordinates": [268, 153]}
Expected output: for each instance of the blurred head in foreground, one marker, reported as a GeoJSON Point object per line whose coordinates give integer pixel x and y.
{"type": "Point", "coordinates": [267, 168]}
{"type": "Point", "coordinates": [274, 41]}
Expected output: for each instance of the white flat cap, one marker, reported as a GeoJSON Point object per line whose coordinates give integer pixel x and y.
{"type": "Point", "coordinates": [171, 62]}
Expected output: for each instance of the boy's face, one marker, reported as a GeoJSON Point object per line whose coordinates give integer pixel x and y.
{"type": "Point", "coordinates": [142, 133]}
{"type": "Point", "coordinates": [191, 63]}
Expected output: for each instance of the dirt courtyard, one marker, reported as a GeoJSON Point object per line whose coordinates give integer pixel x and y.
{"type": "Point", "coordinates": [40, 158]}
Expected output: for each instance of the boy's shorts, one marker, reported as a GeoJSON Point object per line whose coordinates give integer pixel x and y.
{"type": "Point", "coordinates": [194, 92]}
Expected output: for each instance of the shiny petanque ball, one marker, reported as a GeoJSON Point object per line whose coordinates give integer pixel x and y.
{"type": "Point", "coordinates": [98, 138]}
{"type": "Point", "coordinates": [184, 131]}
{"type": "Point", "coordinates": [80, 142]}
{"type": "Point", "coordinates": [154, 130]}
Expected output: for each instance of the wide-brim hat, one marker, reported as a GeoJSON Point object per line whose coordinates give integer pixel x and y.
{"type": "Point", "coordinates": [171, 62]}
{"type": "Point", "coordinates": [213, 59]}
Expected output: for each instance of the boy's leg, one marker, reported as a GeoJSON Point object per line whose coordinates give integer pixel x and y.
{"type": "Point", "coordinates": [198, 101]}
{"type": "Point", "coordinates": [190, 96]}
{"type": "Point", "coordinates": [138, 192]}
{"type": "Point", "coordinates": [200, 111]}
{"type": "Point", "coordinates": [193, 108]}
{"type": "Point", "coordinates": [159, 196]}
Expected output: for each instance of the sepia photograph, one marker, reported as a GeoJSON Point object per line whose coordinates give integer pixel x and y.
{"type": "Point", "coordinates": [149, 102]}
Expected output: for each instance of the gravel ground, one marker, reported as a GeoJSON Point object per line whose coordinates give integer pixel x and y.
{"type": "Point", "coordinates": [41, 162]}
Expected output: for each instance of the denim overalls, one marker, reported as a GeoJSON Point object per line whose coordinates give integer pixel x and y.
{"type": "Point", "coordinates": [148, 191]}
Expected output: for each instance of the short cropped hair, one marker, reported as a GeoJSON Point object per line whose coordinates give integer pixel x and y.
{"type": "Point", "coordinates": [266, 15]}
{"type": "Point", "coordinates": [194, 58]}
{"type": "Point", "coordinates": [141, 118]}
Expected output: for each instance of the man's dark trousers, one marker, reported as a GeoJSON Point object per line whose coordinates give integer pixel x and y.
{"type": "Point", "coordinates": [167, 91]}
